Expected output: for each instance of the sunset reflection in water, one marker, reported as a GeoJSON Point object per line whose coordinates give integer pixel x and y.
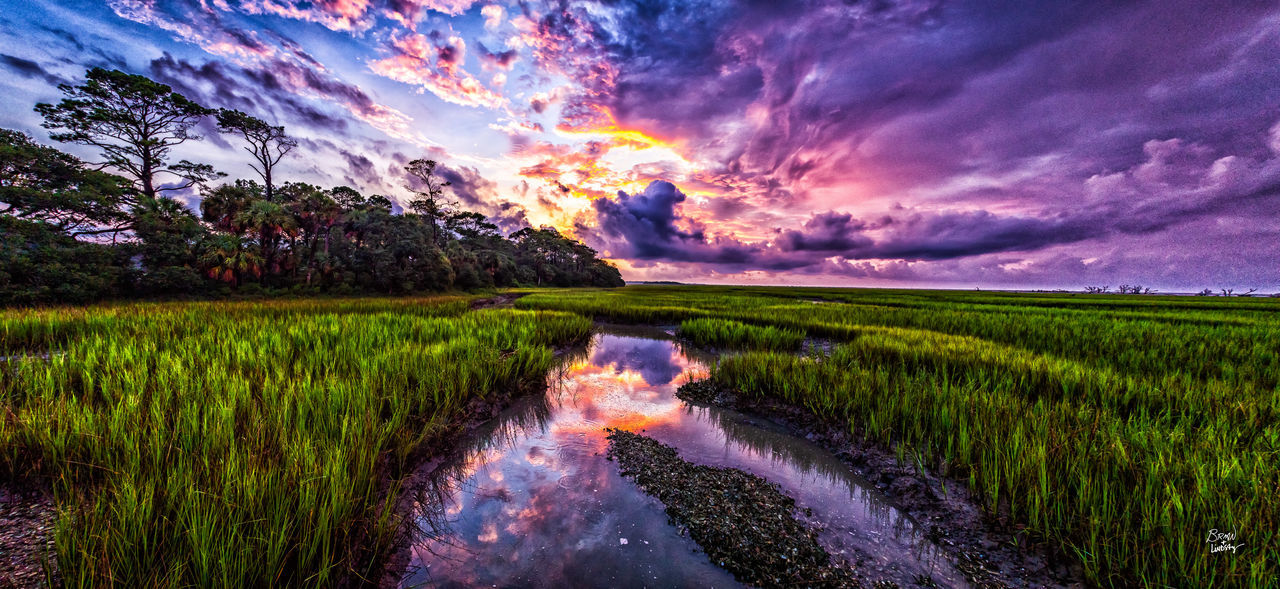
{"type": "Point", "coordinates": [532, 501]}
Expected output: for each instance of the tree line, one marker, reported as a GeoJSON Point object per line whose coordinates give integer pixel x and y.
{"type": "Point", "coordinates": [78, 232]}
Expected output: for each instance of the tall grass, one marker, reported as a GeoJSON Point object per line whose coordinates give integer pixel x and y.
{"type": "Point", "coordinates": [246, 444]}
{"type": "Point", "coordinates": [1235, 340]}
{"type": "Point", "coordinates": [1123, 428]}
{"type": "Point", "coordinates": [726, 333]}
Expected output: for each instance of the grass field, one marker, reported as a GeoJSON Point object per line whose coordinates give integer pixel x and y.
{"type": "Point", "coordinates": [260, 443]}
{"type": "Point", "coordinates": [245, 444]}
{"type": "Point", "coordinates": [1122, 428]}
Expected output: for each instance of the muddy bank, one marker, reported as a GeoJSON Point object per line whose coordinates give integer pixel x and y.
{"type": "Point", "coordinates": [988, 549]}
{"type": "Point", "coordinates": [497, 302]}
{"type": "Point", "coordinates": [412, 479]}
{"type": "Point", "coordinates": [743, 522]}
{"type": "Point", "coordinates": [534, 502]}
{"type": "Point", "coordinates": [26, 535]}
{"type": "Point", "coordinates": [27, 515]}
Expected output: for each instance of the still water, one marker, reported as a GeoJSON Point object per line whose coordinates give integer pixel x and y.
{"type": "Point", "coordinates": [531, 501]}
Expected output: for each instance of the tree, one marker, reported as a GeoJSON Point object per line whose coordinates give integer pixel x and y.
{"type": "Point", "coordinates": [169, 236]}
{"type": "Point", "coordinates": [378, 202]}
{"type": "Point", "coordinates": [471, 225]}
{"type": "Point", "coordinates": [547, 257]}
{"type": "Point", "coordinates": [40, 183]}
{"type": "Point", "coordinates": [229, 259]}
{"type": "Point", "coordinates": [430, 203]}
{"type": "Point", "coordinates": [221, 207]}
{"type": "Point", "coordinates": [39, 264]}
{"type": "Point", "coordinates": [267, 144]}
{"type": "Point", "coordinates": [135, 121]}
{"type": "Point", "coordinates": [347, 197]}
{"type": "Point", "coordinates": [290, 235]}
{"type": "Point", "coordinates": [271, 222]}
{"type": "Point", "coordinates": [315, 213]}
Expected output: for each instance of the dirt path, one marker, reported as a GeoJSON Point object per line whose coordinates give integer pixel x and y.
{"type": "Point", "coordinates": [498, 302]}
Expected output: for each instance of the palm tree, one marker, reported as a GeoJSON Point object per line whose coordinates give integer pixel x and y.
{"type": "Point", "coordinates": [222, 206]}
{"type": "Point", "coordinates": [315, 213]}
{"type": "Point", "coordinates": [229, 258]}
{"type": "Point", "coordinates": [270, 221]}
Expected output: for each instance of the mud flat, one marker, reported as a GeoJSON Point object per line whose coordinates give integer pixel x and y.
{"type": "Point", "coordinates": [743, 522]}
{"type": "Point", "coordinates": [989, 551]}
{"type": "Point", "coordinates": [26, 535]}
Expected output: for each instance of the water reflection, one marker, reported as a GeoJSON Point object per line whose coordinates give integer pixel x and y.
{"type": "Point", "coordinates": [531, 501]}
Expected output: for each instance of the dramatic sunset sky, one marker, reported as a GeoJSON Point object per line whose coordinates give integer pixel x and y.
{"type": "Point", "coordinates": [918, 143]}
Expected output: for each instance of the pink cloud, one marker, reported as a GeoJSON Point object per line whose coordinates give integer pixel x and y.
{"type": "Point", "coordinates": [409, 12]}
{"type": "Point", "coordinates": [338, 15]}
{"type": "Point", "coordinates": [436, 67]}
{"type": "Point", "coordinates": [285, 60]}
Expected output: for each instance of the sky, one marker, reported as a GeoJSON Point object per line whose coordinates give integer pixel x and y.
{"type": "Point", "coordinates": [955, 144]}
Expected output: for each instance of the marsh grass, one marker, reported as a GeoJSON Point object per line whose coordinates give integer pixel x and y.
{"type": "Point", "coordinates": [262, 443]}
{"type": "Point", "coordinates": [1121, 428]}
{"type": "Point", "coordinates": [726, 333]}
{"type": "Point", "coordinates": [246, 444]}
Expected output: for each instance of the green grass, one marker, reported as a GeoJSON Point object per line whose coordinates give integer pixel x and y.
{"type": "Point", "coordinates": [1122, 428]}
{"type": "Point", "coordinates": [245, 444]}
{"type": "Point", "coordinates": [726, 333]}
{"type": "Point", "coordinates": [262, 443]}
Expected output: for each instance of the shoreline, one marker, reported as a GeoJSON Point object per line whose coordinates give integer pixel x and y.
{"type": "Point", "coordinates": [983, 548]}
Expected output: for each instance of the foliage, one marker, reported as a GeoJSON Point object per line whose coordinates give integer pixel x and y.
{"type": "Point", "coordinates": [135, 121]}
{"type": "Point", "coordinates": [430, 201]}
{"type": "Point", "coordinates": [267, 144]}
{"type": "Point", "coordinates": [248, 236]}
{"type": "Point", "coordinates": [40, 264]}
{"type": "Point", "coordinates": [546, 257]}
{"type": "Point", "coordinates": [41, 184]}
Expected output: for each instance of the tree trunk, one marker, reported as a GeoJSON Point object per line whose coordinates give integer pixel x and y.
{"type": "Point", "coordinates": [266, 178]}
{"type": "Point", "coordinates": [148, 186]}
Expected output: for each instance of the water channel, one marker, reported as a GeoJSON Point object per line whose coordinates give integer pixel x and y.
{"type": "Point", "coordinates": [531, 501]}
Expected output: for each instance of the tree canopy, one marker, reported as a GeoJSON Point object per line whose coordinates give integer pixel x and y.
{"type": "Point", "coordinates": [268, 144]}
{"type": "Point", "coordinates": [40, 183]}
{"type": "Point", "coordinates": [135, 121]}
{"type": "Point", "coordinates": [77, 232]}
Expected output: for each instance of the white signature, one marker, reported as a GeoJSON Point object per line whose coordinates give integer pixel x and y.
{"type": "Point", "coordinates": [1222, 542]}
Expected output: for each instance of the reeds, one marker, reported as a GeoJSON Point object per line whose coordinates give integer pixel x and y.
{"type": "Point", "coordinates": [246, 444]}
{"type": "Point", "coordinates": [726, 333]}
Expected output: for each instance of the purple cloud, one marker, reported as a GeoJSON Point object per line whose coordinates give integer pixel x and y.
{"type": "Point", "coordinates": [912, 141]}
